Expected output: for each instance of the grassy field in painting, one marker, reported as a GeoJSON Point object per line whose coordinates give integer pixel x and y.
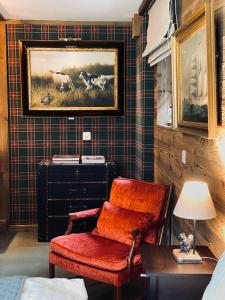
{"type": "Point", "coordinates": [43, 84]}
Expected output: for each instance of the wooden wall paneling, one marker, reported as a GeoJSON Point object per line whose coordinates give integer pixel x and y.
{"type": "Point", "coordinates": [219, 4]}
{"type": "Point", "coordinates": [4, 171]}
{"type": "Point", "coordinates": [57, 22]}
{"type": "Point", "coordinates": [187, 9]}
{"type": "Point", "coordinates": [136, 25]}
{"type": "Point", "coordinates": [205, 158]}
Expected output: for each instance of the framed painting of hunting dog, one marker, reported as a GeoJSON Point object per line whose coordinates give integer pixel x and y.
{"type": "Point", "coordinates": [72, 78]}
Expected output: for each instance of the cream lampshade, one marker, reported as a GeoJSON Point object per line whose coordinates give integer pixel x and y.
{"type": "Point", "coordinates": [195, 203]}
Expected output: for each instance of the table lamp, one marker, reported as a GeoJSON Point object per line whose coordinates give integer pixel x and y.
{"type": "Point", "coordinates": [194, 203]}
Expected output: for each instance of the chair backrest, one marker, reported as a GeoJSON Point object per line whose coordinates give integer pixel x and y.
{"type": "Point", "coordinates": [143, 196]}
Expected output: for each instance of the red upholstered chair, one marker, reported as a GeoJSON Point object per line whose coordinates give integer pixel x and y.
{"type": "Point", "coordinates": [135, 213]}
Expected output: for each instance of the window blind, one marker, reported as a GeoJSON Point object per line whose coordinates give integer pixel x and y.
{"type": "Point", "coordinates": [162, 23]}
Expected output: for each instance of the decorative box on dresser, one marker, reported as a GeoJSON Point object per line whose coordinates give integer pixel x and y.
{"type": "Point", "coordinates": [69, 188]}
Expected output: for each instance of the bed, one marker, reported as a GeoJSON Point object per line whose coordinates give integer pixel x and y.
{"type": "Point", "coordinates": [36, 288]}
{"type": "Point", "coordinates": [216, 287]}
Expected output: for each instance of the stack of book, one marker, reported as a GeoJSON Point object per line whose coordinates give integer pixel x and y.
{"type": "Point", "coordinates": [92, 159]}
{"type": "Point", "coordinates": [65, 159]}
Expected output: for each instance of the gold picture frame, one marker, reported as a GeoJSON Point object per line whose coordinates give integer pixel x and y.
{"type": "Point", "coordinates": [194, 73]}
{"type": "Point", "coordinates": [72, 78]}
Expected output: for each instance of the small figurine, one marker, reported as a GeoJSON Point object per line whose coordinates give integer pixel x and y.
{"type": "Point", "coordinates": [185, 242]}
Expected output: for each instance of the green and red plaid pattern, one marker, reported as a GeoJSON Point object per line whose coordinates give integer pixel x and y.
{"type": "Point", "coordinates": [144, 110]}
{"type": "Point", "coordinates": [127, 140]}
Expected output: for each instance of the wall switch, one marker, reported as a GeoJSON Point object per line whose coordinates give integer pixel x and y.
{"type": "Point", "coordinates": [223, 232]}
{"type": "Point", "coordinates": [184, 156]}
{"type": "Point", "coordinates": [86, 136]}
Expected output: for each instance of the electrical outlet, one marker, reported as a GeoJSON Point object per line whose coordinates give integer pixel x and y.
{"type": "Point", "coordinates": [184, 156]}
{"type": "Point", "coordinates": [86, 136]}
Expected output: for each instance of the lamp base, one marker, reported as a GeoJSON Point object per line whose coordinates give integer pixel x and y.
{"type": "Point", "coordinates": [187, 258]}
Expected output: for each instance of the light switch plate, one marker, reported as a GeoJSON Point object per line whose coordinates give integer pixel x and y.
{"type": "Point", "coordinates": [184, 156]}
{"type": "Point", "coordinates": [86, 136]}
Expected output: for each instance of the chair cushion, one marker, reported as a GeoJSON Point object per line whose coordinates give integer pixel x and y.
{"type": "Point", "coordinates": [115, 278]}
{"type": "Point", "coordinates": [93, 250]}
{"type": "Point", "coordinates": [138, 195]}
{"type": "Point", "coordinates": [117, 223]}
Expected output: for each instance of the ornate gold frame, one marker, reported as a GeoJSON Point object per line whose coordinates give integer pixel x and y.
{"type": "Point", "coordinates": [204, 18]}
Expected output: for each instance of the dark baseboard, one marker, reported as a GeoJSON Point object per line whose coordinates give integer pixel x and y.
{"type": "Point", "coordinates": [3, 225]}
{"type": "Point", "coordinates": [19, 228]}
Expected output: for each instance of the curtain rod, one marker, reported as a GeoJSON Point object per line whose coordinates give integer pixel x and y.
{"type": "Point", "coordinates": [145, 6]}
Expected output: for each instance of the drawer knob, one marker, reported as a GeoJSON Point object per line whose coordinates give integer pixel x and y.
{"type": "Point", "coordinates": [143, 275]}
{"type": "Point", "coordinates": [73, 191]}
{"type": "Point", "coordinates": [84, 190]}
{"type": "Point", "coordinates": [77, 172]}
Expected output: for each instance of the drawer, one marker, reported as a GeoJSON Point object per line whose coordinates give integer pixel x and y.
{"type": "Point", "coordinates": [69, 188]}
{"type": "Point", "coordinates": [76, 190]}
{"type": "Point", "coordinates": [76, 173]}
{"type": "Point", "coordinates": [57, 225]}
{"type": "Point", "coordinates": [63, 207]}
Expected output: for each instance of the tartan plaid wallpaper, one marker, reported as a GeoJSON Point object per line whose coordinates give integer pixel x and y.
{"type": "Point", "coordinates": [33, 139]}
{"type": "Point", "coordinates": [144, 110]}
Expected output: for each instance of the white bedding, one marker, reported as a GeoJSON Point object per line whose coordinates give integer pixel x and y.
{"type": "Point", "coordinates": [39, 288]}
{"type": "Point", "coordinates": [216, 288]}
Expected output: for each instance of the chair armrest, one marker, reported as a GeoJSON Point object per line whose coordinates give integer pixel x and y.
{"type": "Point", "coordinates": [95, 212]}
{"type": "Point", "coordinates": [135, 234]}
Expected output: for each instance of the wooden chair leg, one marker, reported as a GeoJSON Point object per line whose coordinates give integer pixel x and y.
{"type": "Point", "coordinates": [51, 271]}
{"type": "Point", "coordinates": [117, 293]}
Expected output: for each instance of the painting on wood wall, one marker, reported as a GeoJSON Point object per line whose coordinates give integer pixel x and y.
{"type": "Point", "coordinates": [193, 79]}
{"type": "Point", "coordinates": [79, 78]}
{"type": "Point", "coordinates": [194, 68]}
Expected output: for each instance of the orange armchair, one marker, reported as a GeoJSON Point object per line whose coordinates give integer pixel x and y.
{"type": "Point", "coordinates": [136, 213]}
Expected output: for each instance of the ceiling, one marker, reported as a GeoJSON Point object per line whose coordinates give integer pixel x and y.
{"type": "Point", "coordinates": [70, 10]}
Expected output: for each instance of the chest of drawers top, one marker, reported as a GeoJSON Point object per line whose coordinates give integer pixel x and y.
{"type": "Point", "coordinates": [76, 172]}
{"type": "Point", "coordinates": [71, 173]}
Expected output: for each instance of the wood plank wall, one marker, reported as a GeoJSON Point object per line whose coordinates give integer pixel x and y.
{"type": "Point", "coordinates": [205, 158]}
{"type": "Point", "coordinates": [4, 172]}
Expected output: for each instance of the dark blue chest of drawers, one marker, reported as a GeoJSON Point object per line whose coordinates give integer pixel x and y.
{"type": "Point", "coordinates": [69, 188]}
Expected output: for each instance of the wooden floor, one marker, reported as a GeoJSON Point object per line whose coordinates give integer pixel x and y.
{"type": "Point", "coordinates": [21, 254]}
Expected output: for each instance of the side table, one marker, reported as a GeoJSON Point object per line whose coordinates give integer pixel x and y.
{"type": "Point", "coordinates": [169, 280]}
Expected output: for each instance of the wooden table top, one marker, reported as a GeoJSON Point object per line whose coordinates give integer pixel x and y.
{"type": "Point", "coordinates": [160, 260]}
